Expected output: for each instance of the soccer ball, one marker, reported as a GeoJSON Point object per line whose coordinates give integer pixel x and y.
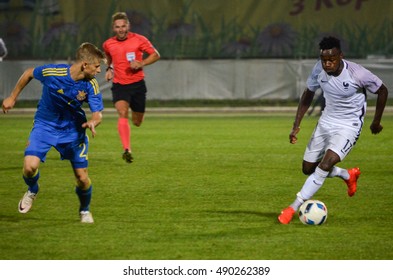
{"type": "Point", "coordinates": [313, 212]}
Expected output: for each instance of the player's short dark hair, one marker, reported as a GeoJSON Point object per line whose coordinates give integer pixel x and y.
{"type": "Point", "coordinates": [330, 42]}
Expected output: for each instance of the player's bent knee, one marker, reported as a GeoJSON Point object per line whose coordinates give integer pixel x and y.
{"type": "Point", "coordinates": [84, 183]}
{"type": "Point", "coordinates": [308, 168]}
{"type": "Point", "coordinates": [30, 165]}
{"type": "Point", "coordinates": [137, 123]}
{"type": "Point", "coordinates": [82, 179]}
{"type": "Point", "coordinates": [29, 171]}
{"type": "Point", "coordinates": [307, 171]}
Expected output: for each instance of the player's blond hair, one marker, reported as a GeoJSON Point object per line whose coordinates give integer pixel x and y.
{"type": "Point", "coordinates": [89, 52]}
{"type": "Point", "coordinates": [120, 15]}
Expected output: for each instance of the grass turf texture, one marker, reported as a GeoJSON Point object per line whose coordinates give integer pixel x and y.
{"type": "Point", "coordinates": [201, 187]}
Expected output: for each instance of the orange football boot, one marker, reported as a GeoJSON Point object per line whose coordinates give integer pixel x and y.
{"type": "Point", "coordinates": [286, 215]}
{"type": "Point", "coordinates": [354, 174]}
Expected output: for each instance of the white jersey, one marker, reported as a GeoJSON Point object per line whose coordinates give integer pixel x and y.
{"type": "Point", "coordinates": [346, 94]}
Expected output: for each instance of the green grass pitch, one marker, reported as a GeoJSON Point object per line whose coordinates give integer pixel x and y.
{"type": "Point", "coordinates": [202, 187]}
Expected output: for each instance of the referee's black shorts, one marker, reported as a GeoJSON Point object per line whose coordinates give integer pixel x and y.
{"type": "Point", "coordinates": [134, 94]}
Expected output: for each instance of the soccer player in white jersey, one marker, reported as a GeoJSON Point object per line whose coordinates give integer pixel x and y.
{"type": "Point", "coordinates": [344, 84]}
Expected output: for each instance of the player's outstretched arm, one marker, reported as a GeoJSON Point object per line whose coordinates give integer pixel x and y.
{"type": "Point", "coordinates": [382, 93]}
{"type": "Point", "coordinates": [304, 104]}
{"type": "Point", "coordinates": [10, 101]}
{"type": "Point", "coordinates": [96, 119]}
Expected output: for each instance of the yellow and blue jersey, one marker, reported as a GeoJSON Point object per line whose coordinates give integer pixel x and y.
{"type": "Point", "coordinates": [62, 98]}
{"type": "Point", "coordinates": [59, 116]}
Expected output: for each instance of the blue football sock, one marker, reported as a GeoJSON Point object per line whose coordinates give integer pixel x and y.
{"type": "Point", "coordinates": [84, 198]}
{"type": "Point", "coordinates": [32, 182]}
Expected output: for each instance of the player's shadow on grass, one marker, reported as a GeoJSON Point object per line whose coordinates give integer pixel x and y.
{"type": "Point", "coordinates": [29, 219]}
{"type": "Point", "coordinates": [16, 218]}
{"type": "Point", "coordinates": [11, 168]}
{"type": "Point", "coordinates": [9, 218]}
{"type": "Point", "coordinates": [243, 212]}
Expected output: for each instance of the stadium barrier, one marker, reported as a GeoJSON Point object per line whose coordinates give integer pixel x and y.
{"type": "Point", "coordinates": [247, 79]}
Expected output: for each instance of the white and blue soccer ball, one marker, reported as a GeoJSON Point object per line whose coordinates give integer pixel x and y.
{"type": "Point", "coordinates": [313, 212]}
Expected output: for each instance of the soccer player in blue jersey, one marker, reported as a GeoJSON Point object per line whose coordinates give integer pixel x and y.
{"type": "Point", "coordinates": [60, 121]}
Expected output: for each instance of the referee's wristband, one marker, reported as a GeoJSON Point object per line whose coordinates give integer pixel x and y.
{"type": "Point", "coordinates": [109, 68]}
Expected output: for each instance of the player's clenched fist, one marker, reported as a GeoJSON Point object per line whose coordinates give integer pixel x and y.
{"type": "Point", "coordinates": [292, 135]}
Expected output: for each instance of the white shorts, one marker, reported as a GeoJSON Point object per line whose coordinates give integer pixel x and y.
{"type": "Point", "coordinates": [339, 139]}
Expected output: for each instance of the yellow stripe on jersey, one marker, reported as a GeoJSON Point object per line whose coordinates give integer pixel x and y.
{"type": "Point", "coordinates": [95, 86]}
{"type": "Point", "coordinates": [54, 72]}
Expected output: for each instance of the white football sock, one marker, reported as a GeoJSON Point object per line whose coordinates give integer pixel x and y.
{"type": "Point", "coordinates": [298, 202]}
{"type": "Point", "coordinates": [313, 183]}
{"type": "Point", "coordinates": [339, 172]}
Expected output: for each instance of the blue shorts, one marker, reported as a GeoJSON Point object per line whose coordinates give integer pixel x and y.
{"type": "Point", "coordinates": [71, 144]}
